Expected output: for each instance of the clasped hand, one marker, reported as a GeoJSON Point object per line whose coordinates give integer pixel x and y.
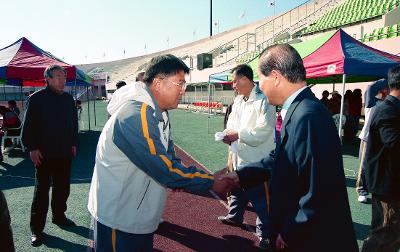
{"type": "Point", "coordinates": [224, 182]}
{"type": "Point", "coordinates": [230, 136]}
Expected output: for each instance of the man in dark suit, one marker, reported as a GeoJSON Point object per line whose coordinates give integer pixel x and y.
{"type": "Point", "coordinates": [383, 170]}
{"type": "Point", "coordinates": [309, 207]}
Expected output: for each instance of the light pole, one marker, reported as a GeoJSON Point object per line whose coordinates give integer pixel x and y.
{"type": "Point", "coordinates": [211, 22]}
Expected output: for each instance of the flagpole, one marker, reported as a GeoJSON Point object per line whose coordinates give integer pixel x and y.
{"type": "Point", "coordinates": [211, 23]}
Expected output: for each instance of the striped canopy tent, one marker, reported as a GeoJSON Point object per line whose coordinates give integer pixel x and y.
{"type": "Point", "coordinates": [338, 57]}
{"type": "Point", "coordinates": [330, 56]}
{"type": "Point", "coordinates": [23, 63]}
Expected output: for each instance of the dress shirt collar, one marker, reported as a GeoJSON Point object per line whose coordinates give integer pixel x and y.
{"type": "Point", "coordinates": [289, 101]}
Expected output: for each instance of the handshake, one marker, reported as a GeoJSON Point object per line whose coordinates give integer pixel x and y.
{"type": "Point", "coordinates": [225, 181]}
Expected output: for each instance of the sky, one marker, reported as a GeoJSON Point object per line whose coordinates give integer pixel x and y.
{"type": "Point", "coordinates": [88, 31]}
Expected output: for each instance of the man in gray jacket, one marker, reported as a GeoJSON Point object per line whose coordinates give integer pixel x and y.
{"type": "Point", "coordinates": [136, 161]}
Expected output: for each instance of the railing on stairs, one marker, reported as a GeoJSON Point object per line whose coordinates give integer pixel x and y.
{"type": "Point", "coordinates": [281, 27]}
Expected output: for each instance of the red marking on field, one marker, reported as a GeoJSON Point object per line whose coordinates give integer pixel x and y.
{"type": "Point", "coordinates": [190, 223]}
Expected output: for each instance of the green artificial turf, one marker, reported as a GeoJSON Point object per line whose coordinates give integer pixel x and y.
{"type": "Point", "coordinates": [194, 132]}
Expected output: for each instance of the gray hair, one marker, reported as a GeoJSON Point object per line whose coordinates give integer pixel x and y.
{"type": "Point", "coordinates": [285, 59]}
{"type": "Point", "coordinates": [48, 73]}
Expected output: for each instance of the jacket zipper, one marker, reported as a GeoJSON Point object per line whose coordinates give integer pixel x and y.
{"type": "Point", "coordinates": [143, 196]}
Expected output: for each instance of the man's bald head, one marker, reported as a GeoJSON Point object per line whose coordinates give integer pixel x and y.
{"type": "Point", "coordinates": [284, 59]}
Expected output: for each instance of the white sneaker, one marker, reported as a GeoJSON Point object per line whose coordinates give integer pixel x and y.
{"type": "Point", "coordinates": [362, 199]}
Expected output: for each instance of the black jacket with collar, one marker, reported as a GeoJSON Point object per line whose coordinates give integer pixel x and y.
{"type": "Point", "coordinates": [51, 124]}
{"type": "Point", "coordinates": [383, 150]}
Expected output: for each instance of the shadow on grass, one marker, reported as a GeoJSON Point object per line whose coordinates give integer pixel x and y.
{"type": "Point", "coordinates": [351, 182]}
{"type": "Point", "coordinates": [361, 230]}
{"type": "Point", "coordinates": [22, 174]}
{"type": "Point", "coordinates": [82, 166]}
{"type": "Point", "coordinates": [79, 230]}
{"type": "Point", "coordinates": [202, 242]}
{"type": "Point", "coordinates": [14, 176]}
{"type": "Point", "coordinates": [55, 242]}
{"type": "Point", "coordinates": [351, 149]}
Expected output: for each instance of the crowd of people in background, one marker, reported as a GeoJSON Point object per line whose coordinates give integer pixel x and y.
{"type": "Point", "coordinates": [10, 124]}
{"type": "Point", "coordinates": [352, 108]}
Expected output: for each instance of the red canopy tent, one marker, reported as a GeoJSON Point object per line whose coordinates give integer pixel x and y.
{"type": "Point", "coordinates": [23, 63]}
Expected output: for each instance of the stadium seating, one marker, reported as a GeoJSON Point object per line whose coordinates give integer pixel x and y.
{"type": "Point", "coordinates": [382, 33]}
{"type": "Point", "coordinates": [352, 11]}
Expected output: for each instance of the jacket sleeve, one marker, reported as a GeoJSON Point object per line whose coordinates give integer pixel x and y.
{"type": "Point", "coordinates": [256, 173]}
{"type": "Point", "coordinates": [319, 169]}
{"type": "Point", "coordinates": [390, 132]}
{"type": "Point", "coordinates": [264, 128]}
{"type": "Point", "coordinates": [137, 135]}
{"type": "Point", "coordinates": [74, 124]}
{"type": "Point", "coordinates": [30, 130]}
{"type": "Point", "coordinates": [230, 124]}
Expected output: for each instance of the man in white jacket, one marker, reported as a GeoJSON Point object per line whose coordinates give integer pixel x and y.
{"type": "Point", "coordinates": [135, 160]}
{"type": "Point", "coordinates": [375, 94]}
{"type": "Point", "coordinates": [250, 134]}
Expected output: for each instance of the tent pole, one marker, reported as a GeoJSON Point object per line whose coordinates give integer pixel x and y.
{"type": "Point", "coordinates": [94, 109]}
{"type": "Point", "coordinates": [76, 96]}
{"type": "Point", "coordinates": [88, 105]}
{"type": "Point", "coordinates": [195, 93]}
{"type": "Point", "coordinates": [341, 106]}
{"type": "Point", "coordinates": [20, 97]}
{"type": "Point", "coordinates": [209, 98]}
{"type": "Point", "coordinates": [5, 95]}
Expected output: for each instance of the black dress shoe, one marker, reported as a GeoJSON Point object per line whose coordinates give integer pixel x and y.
{"type": "Point", "coordinates": [36, 240]}
{"type": "Point", "coordinates": [265, 244]}
{"type": "Point", "coordinates": [64, 222]}
{"type": "Point", "coordinates": [227, 221]}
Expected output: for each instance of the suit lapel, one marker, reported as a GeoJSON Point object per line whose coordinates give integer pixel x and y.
{"type": "Point", "coordinates": [303, 94]}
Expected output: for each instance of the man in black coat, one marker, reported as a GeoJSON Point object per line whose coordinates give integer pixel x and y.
{"type": "Point", "coordinates": [309, 208]}
{"type": "Point", "coordinates": [50, 133]}
{"type": "Point", "coordinates": [383, 170]}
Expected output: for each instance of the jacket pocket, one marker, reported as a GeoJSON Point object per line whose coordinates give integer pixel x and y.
{"type": "Point", "coordinates": [144, 195]}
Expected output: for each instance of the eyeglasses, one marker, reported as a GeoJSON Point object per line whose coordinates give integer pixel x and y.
{"type": "Point", "coordinates": [182, 85]}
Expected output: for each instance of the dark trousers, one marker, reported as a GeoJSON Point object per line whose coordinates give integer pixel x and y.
{"type": "Point", "coordinates": [386, 236]}
{"type": "Point", "coordinates": [257, 196]}
{"type": "Point", "coordinates": [57, 172]}
{"type": "Point", "coordinates": [108, 239]}
{"type": "Point", "coordinates": [361, 185]}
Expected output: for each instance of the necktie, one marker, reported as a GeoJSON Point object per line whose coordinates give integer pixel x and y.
{"type": "Point", "coordinates": [278, 127]}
